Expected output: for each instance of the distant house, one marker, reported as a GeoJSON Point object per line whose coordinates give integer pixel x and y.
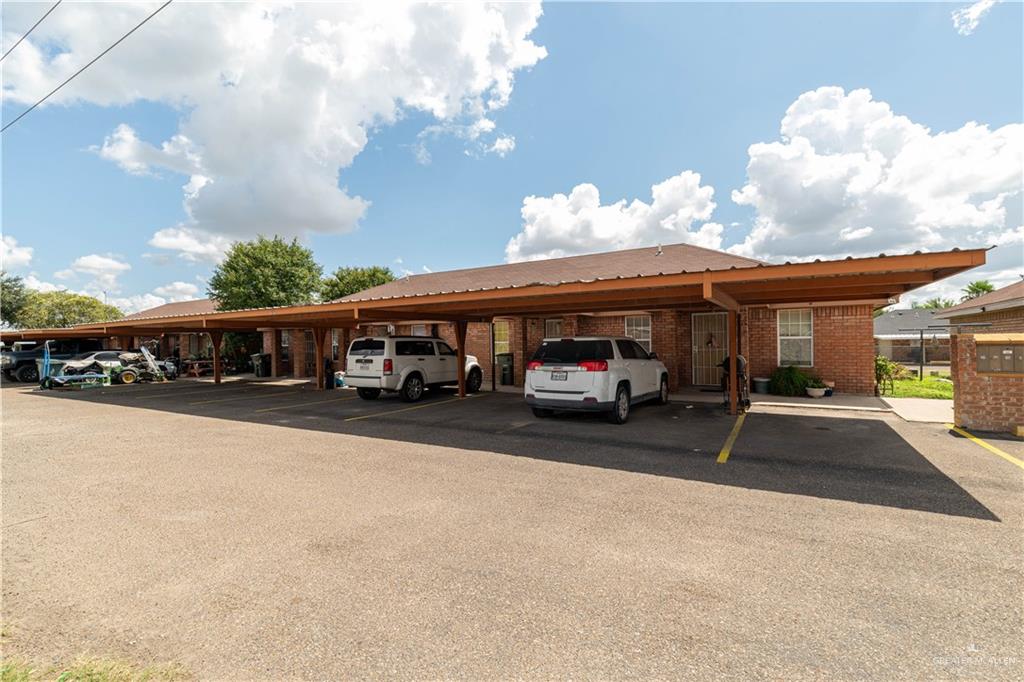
{"type": "Point", "coordinates": [898, 336]}
{"type": "Point", "coordinates": [988, 360]}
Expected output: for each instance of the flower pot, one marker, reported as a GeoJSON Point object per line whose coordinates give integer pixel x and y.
{"type": "Point", "coordinates": [761, 385]}
{"type": "Point", "coordinates": [816, 392]}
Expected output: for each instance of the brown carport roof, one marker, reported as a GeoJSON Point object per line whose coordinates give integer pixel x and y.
{"type": "Point", "coordinates": [875, 279]}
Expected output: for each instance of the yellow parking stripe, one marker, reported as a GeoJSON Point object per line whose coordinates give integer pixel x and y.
{"type": "Point", "coordinates": [314, 402]}
{"type": "Point", "coordinates": [409, 409]}
{"type": "Point", "coordinates": [723, 456]}
{"type": "Point", "coordinates": [241, 397]}
{"type": "Point", "coordinates": [991, 448]}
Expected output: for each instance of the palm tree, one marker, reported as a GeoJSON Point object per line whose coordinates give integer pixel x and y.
{"type": "Point", "coordinates": [976, 289]}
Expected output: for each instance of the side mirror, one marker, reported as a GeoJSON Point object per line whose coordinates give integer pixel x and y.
{"type": "Point", "coordinates": [652, 355]}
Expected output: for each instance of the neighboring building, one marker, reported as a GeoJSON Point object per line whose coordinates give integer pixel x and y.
{"type": "Point", "coordinates": [194, 345]}
{"type": "Point", "coordinates": [898, 336]}
{"type": "Point", "coordinates": [987, 354]}
{"type": "Point", "coordinates": [833, 341]}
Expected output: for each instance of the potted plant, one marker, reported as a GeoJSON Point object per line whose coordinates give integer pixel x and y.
{"type": "Point", "coordinates": [815, 387]}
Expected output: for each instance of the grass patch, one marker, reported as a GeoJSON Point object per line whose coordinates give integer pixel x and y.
{"type": "Point", "coordinates": [91, 670]}
{"type": "Point", "coordinates": [931, 387]}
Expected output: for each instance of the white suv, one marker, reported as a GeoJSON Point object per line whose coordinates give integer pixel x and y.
{"type": "Point", "coordinates": [602, 374]}
{"type": "Point", "coordinates": [407, 364]}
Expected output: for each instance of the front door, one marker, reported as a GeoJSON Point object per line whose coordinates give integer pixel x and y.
{"type": "Point", "coordinates": [710, 335]}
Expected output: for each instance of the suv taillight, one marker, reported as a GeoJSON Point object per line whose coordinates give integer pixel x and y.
{"type": "Point", "coordinates": [534, 364]}
{"type": "Point", "coordinates": [593, 365]}
{"type": "Point", "coordinates": [389, 366]}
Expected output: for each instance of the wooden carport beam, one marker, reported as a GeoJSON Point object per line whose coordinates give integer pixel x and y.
{"type": "Point", "coordinates": [460, 340]}
{"type": "Point", "coordinates": [216, 337]}
{"type": "Point", "coordinates": [715, 294]}
{"type": "Point", "coordinates": [319, 340]}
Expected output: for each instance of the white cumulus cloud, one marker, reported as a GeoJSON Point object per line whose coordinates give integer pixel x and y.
{"type": "Point", "coordinates": [966, 19]}
{"type": "Point", "coordinates": [275, 99]}
{"type": "Point", "coordinates": [851, 177]}
{"type": "Point", "coordinates": [13, 256]}
{"type": "Point", "coordinates": [104, 271]}
{"type": "Point", "coordinates": [177, 291]}
{"type": "Point", "coordinates": [564, 225]}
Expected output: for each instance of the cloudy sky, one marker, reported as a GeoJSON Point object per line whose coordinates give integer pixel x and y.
{"type": "Point", "coordinates": [428, 137]}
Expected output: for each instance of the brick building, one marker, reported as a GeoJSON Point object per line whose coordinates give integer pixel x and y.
{"type": "Point", "coordinates": [899, 335]}
{"type": "Point", "coordinates": [832, 341]}
{"type": "Point", "coordinates": [987, 364]}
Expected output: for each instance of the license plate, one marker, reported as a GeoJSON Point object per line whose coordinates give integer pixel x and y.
{"type": "Point", "coordinates": [559, 376]}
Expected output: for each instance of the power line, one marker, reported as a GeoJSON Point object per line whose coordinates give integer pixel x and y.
{"type": "Point", "coordinates": [31, 29]}
{"type": "Point", "coordinates": [96, 59]}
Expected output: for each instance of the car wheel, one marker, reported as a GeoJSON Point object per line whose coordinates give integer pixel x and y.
{"type": "Point", "coordinates": [128, 376]}
{"type": "Point", "coordinates": [474, 381]}
{"type": "Point", "coordinates": [27, 373]}
{"type": "Point", "coordinates": [620, 409]}
{"type": "Point", "coordinates": [412, 388]}
{"type": "Point", "coordinates": [541, 412]}
{"type": "Point", "coordinates": [368, 393]}
{"type": "Point", "coordinates": [663, 392]}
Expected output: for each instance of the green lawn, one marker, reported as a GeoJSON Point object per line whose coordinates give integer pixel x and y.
{"type": "Point", "coordinates": [931, 387]}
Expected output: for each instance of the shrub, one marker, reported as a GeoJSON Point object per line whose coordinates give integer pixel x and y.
{"type": "Point", "coordinates": [886, 372]}
{"type": "Point", "coordinates": [815, 382]}
{"type": "Point", "coordinates": [788, 381]}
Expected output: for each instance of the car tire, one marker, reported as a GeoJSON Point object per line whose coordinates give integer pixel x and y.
{"type": "Point", "coordinates": [620, 408]}
{"type": "Point", "coordinates": [412, 388]}
{"type": "Point", "coordinates": [541, 412]}
{"type": "Point", "coordinates": [368, 393]}
{"type": "Point", "coordinates": [27, 373]}
{"type": "Point", "coordinates": [128, 376]}
{"type": "Point", "coordinates": [474, 381]}
{"type": "Point", "coordinates": [663, 391]}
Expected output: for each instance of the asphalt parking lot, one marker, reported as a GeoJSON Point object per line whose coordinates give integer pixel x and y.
{"type": "Point", "coordinates": [258, 531]}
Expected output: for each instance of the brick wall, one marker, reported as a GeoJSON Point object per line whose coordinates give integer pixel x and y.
{"type": "Point", "coordinates": [998, 321]}
{"type": "Point", "coordinates": [986, 402]}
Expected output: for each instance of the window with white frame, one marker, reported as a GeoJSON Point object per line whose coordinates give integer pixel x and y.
{"type": "Point", "coordinates": [501, 344]}
{"type": "Point", "coordinates": [553, 328]}
{"type": "Point", "coordinates": [334, 344]}
{"type": "Point", "coordinates": [796, 337]}
{"type": "Point", "coordinates": [638, 328]}
{"type": "Point", "coordinates": [419, 330]}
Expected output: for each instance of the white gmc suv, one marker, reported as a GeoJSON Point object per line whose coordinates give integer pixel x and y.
{"type": "Point", "coordinates": [602, 374]}
{"type": "Point", "coordinates": [407, 364]}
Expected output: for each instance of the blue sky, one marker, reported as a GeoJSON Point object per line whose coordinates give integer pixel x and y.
{"type": "Point", "coordinates": [626, 97]}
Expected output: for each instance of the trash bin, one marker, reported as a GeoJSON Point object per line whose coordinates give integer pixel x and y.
{"type": "Point", "coordinates": [328, 374]}
{"type": "Point", "coordinates": [506, 367]}
{"type": "Point", "coordinates": [761, 384]}
{"type": "Point", "coordinates": [261, 364]}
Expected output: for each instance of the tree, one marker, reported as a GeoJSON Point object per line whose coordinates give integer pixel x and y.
{"type": "Point", "coordinates": [265, 272]}
{"type": "Point", "coordinates": [64, 309]}
{"type": "Point", "coordinates": [347, 281]}
{"type": "Point", "coordinates": [976, 289]}
{"type": "Point", "coordinates": [13, 297]}
{"type": "Point", "coordinates": [934, 303]}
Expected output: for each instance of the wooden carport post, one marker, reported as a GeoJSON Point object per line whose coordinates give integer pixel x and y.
{"type": "Point", "coordinates": [460, 341]}
{"type": "Point", "coordinates": [215, 338]}
{"type": "Point", "coordinates": [319, 337]}
{"type": "Point", "coordinates": [716, 295]}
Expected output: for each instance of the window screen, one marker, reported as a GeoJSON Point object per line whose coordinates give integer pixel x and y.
{"type": "Point", "coordinates": [553, 328]}
{"type": "Point", "coordinates": [796, 337]}
{"type": "Point", "coordinates": [334, 344]}
{"type": "Point", "coordinates": [501, 344]}
{"type": "Point", "coordinates": [638, 327]}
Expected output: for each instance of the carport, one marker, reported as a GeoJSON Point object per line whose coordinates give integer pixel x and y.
{"type": "Point", "coordinates": [877, 280]}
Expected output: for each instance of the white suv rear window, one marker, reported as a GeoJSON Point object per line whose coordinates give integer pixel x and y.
{"type": "Point", "coordinates": [367, 347]}
{"type": "Point", "coordinates": [571, 352]}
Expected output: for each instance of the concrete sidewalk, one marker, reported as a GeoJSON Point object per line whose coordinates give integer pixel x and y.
{"type": "Point", "coordinates": [922, 409]}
